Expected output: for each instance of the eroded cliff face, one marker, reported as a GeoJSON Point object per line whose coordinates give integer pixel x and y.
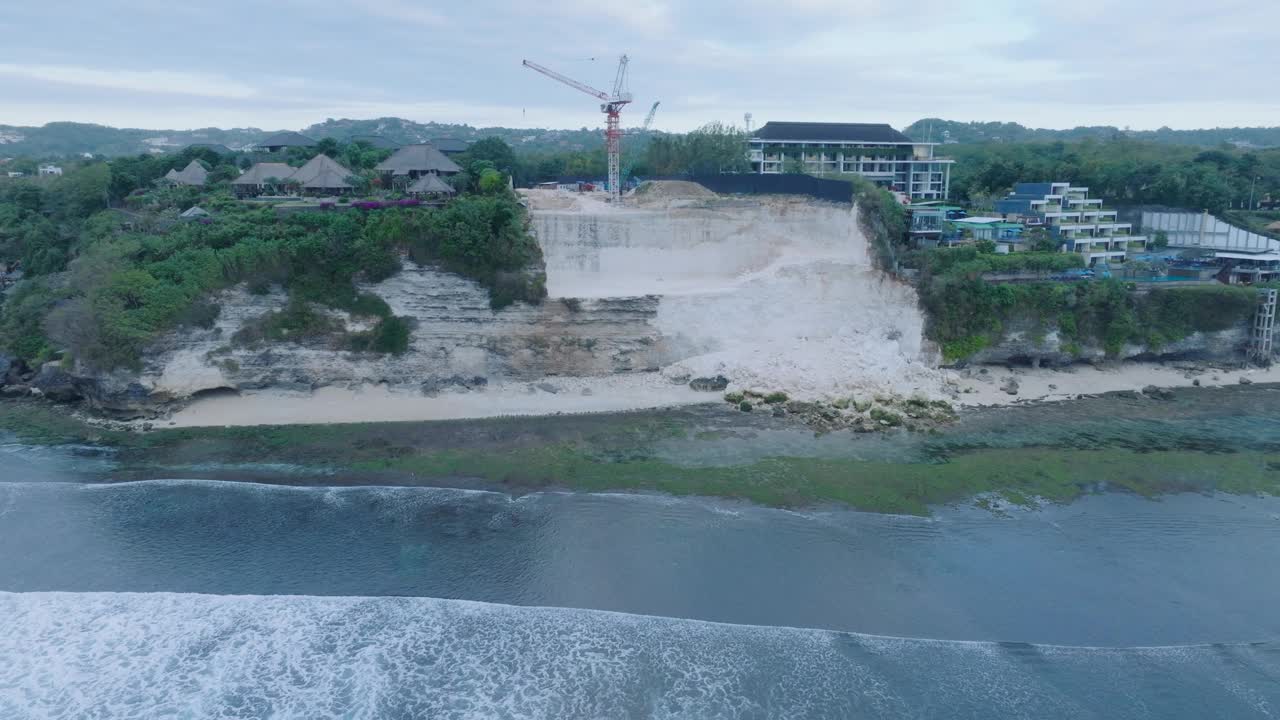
{"type": "Point", "coordinates": [457, 341]}
{"type": "Point", "coordinates": [1026, 344]}
{"type": "Point", "coordinates": [772, 293]}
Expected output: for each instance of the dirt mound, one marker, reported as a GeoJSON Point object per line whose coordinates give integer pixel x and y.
{"type": "Point", "coordinates": [655, 190]}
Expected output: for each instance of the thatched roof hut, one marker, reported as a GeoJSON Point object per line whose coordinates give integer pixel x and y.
{"type": "Point", "coordinates": [431, 185]}
{"type": "Point", "coordinates": [258, 174]}
{"type": "Point", "coordinates": [416, 160]}
{"type": "Point", "coordinates": [323, 173]}
{"type": "Point", "coordinates": [193, 174]}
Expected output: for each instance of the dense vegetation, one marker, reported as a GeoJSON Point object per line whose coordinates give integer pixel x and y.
{"type": "Point", "coordinates": [1122, 171]}
{"type": "Point", "coordinates": [101, 283]}
{"type": "Point", "coordinates": [967, 313]}
{"type": "Point", "coordinates": [938, 130]}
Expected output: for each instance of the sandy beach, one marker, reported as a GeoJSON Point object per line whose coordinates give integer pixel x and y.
{"type": "Point", "coordinates": [378, 403]}
{"type": "Point", "coordinates": [976, 386]}
{"type": "Point", "coordinates": [979, 388]}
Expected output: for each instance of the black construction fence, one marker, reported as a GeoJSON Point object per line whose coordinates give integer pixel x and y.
{"type": "Point", "coordinates": [836, 191]}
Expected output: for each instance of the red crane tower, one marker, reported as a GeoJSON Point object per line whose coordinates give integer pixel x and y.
{"type": "Point", "coordinates": [611, 106]}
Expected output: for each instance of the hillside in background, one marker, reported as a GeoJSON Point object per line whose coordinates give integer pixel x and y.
{"type": "Point", "coordinates": [939, 130]}
{"type": "Point", "coordinates": [67, 138]}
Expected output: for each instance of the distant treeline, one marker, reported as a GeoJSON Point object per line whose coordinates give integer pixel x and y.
{"type": "Point", "coordinates": [939, 130]}
{"type": "Point", "coordinates": [1121, 171]}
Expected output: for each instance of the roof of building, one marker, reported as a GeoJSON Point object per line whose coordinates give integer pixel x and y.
{"type": "Point", "coordinates": [376, 141]}
{"type": "Point", "coordinates": [831, 132]}
{"type": "Point", "coordinates": [287, 138]}
{"type": "Point", "coordinates": [193, 174]}
{"type": "Point", "coordinates": [423, 158]}
{"type": "Point", "coordinates": [322, 172]}
{"type": "Point", "coordinates": [195, 211]}
{"type": "Point", "coordinates": [259, 173]}
{"type": "Point", "coordinates": [979, 220]}
{"type": "Point", "coordinates": [450, 145]}
{"type": "Point", "coordinates": [216, 147]}
{"type": "Point", "coordinates": [431, 184]}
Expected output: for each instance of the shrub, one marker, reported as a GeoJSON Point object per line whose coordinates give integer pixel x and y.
{"type": "Point", "coordinates": [886, 417]}
{"type": "Point", "coordinates": [390, 335]}
{"type": "Point", "coordinates": [774, 398]}
{"type": "Point", "coordinates": [298, 322]}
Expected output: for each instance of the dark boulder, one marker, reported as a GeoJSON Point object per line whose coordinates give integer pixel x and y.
{"type": "Point", "coordinates": [1157, 393]}
{"type": "Point", "coordinates": [12, 368]}
{"type": "Point", "coordinates": [57, 384]}
{"type": "Point", "coordinates": [709, 384]}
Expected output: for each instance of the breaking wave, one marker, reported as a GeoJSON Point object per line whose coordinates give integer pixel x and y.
{"type": "Point", "coordinates": [125, 655]}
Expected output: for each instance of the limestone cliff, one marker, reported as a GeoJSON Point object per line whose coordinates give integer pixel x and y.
{"type": "Point", "coordinates": [772, 293]}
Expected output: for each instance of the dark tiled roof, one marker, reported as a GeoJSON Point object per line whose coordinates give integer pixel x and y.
{"type": "Point", "coordinates": [288, 138]}
{"type": "Point", "coordinates": [832, 132]}
{"type": "Point", "coordinates": [450, 145]}
{"type": "Point", "coordinates": [216, 147]}
{"type": "Point", "coordinates": [376, 141]}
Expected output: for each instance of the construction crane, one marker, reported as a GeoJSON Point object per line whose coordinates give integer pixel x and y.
{"type": "Point", "coordinates": [648, 119]}
{"type": "Point", "coordinates": [631, 164]}
{"type": "Point", "coordinates": [611, 106]}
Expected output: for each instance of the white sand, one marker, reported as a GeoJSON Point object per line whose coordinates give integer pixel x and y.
{"type": "Point", "coordinates": [1035, 384]}
{"type": "Point", "coordinates": [378, 403]}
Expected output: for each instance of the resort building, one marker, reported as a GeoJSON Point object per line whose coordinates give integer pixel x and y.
{"type": "Point", "coordinates": [877, 152]}
{"type": "Point", "coordinates": [1080, 223]}
{"type": "Point", "coordinates": [49, 170]}
{"type": "Point", "coordinates": [413, 161]}
{"type": "Point", "coordinates": [264, 177]}
{"type": "Point", "coordinates": [1006, 235]}
{"type": "Point", "coordinates": [193, 174]}
{"type": "Point", "coordinates": [322, 175]}
{"type": "Point", "coordinates": [450, 146]}
{"type": "Point", "coordinates": [284, 141]}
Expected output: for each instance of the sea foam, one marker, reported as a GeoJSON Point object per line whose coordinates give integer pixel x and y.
{"type": "Point", "coordinates": [125, 655]}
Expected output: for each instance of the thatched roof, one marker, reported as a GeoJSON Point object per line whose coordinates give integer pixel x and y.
{"type": "Point", "coordinates": [288, 138]}
{"type": "Point", "coordinates": [431, 184]}
{"type": "Point", "coordinates": [260, 172]}
{"type": "Point", "coordinates": [322, 173]}
{"type": "Point", "coordinates": [418, 159]}
{"type": "Point", "coordinates": [193, 174]}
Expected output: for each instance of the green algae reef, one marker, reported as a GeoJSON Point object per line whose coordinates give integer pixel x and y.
{"type": "Point", "coordinates": [615, 453]}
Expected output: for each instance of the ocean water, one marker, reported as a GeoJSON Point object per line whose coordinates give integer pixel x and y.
{"type": "Point", "coordinates": [179, 598]}
{"type": "Point", "coordinates": [127, 655]}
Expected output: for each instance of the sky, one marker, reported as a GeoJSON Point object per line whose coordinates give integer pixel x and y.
{"type": "Point", "coordinates": [181, 64]}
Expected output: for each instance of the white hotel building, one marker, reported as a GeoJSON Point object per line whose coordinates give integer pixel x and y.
{"type": "Point", "coordinates": [877, 152]}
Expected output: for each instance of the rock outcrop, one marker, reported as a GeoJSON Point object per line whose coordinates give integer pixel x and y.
{"type": "Point", "coordinates": [1024, 344]}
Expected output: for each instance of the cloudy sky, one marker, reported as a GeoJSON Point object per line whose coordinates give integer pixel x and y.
{"type": "Point", "coordinates": [288, 63]}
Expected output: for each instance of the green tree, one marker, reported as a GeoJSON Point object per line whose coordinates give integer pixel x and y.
{"type": "Point", "coordinates": [328, 146]}
{"type": "Point", "coordinates": [492, 182]}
